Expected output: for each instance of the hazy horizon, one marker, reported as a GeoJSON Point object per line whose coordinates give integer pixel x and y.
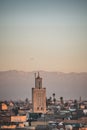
{"type": "Point", "coordinates": [41, 71]}
{"type": "Point", "coordinates": [48, 35]}
{"type": "Point", "coordinates": [18, 85]}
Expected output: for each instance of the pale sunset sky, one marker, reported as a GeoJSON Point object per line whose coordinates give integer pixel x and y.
{"type": "Point", "coordinates": [46, 35]}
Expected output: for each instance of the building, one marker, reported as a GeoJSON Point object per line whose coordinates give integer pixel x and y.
{"type": "Point", "coordinates": [39, 96]}
{"type": "Point", "coordinates": [3, 106]}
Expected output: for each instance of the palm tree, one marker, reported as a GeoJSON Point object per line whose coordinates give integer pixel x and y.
{"type": "Point", "coordinates": [54, 99]}
{"type": "Point", "coordinates": [50, 99]}
{"type": "Point", "coordinates": [53, 95]}
{"type": "Point", "coordinates": [61, 100]}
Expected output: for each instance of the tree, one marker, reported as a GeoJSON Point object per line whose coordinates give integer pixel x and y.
{"type": "Point", "coordinates": [54, 99]}
{"type": "Point", "coordinates": [53, 95]}
{"type": "Point", "coordinates": [26, 100]}
{"type": "Point", "coordinates": [66, 104]}
{"type": "Point", "coordinates": [61, 100]}
{"type": "Point", "coordinates": [48, 101]}
{"type": "Point", "coordinates": [76, 104]}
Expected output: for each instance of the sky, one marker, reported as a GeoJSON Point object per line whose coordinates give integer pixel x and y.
{"type": "Point", "coordinates": [48, 35]}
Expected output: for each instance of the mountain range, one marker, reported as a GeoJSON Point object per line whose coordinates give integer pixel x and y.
{"type": "Point", "coordinates": [16, 85]}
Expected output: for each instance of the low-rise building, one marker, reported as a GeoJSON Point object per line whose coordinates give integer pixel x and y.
{"type": "Point", "coordinates": [3, 106]}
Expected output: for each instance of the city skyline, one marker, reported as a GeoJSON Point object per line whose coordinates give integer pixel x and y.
{"type": "Point", "coordinates": [43, 35]}
{"type": "Point", "coordinates": [15, 85]}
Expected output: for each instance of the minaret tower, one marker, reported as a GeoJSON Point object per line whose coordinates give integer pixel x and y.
{"type": "Point", "coordinates": [39, 96]}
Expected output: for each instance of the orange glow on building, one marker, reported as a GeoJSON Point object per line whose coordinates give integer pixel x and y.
{"type": "Point", "coordinates": [4, 106]}
{"type": "Point", "coordinates": [18, 118]}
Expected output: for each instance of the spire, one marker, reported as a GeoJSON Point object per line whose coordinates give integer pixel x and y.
{"type": "Point", "coordinates": [38, 75]}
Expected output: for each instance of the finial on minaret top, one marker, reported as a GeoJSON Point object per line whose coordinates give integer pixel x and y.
{"type": "Point", "coordinates": [38, 75]}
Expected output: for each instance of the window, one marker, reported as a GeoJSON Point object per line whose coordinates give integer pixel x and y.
{"type": "Point", "coordinates": [37, 108]}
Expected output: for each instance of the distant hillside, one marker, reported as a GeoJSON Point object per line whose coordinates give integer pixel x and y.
{"type": "Point", "coordinates": [18, 84]}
